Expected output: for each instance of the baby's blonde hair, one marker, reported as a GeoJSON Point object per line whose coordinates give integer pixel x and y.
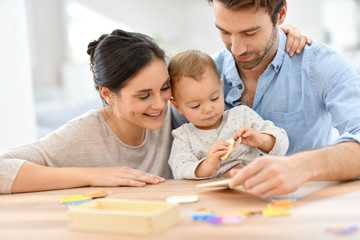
{"type": "Point", "coordinates": [190, 63]}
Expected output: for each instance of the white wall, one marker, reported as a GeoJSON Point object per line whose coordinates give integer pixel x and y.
{"type": "Point", "coordinates": [176, 25]}
{"type": "Point", "coordinates": [307, 15]}
{"type": "Point", "coordinates": [17, 118]}
{"type": "Point", "coordinates": [47, 35]}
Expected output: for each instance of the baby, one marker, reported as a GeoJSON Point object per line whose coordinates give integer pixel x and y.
{"type": "Point", "coordinates": [199, 145]}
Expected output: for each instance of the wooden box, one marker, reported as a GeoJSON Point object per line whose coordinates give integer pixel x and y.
{"type": "Point", "coordinates": [124, 216]}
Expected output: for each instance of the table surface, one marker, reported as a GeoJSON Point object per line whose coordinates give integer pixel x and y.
{"type": "Point", "coordinates": [319, 205]}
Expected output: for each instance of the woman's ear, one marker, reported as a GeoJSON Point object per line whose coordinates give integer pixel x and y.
{"type": "Point", "coordinates": [173, 102]}
{"type": "Point", "coordinates": [106, 95]}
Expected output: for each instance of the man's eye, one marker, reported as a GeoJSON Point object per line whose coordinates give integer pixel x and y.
{"type": "Point", "coordinates": [224, 33]}
{"type": "Point", "coordinates": [250, 33]}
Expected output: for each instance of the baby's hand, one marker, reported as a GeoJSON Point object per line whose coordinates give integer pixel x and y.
{"type": "Point", "coordinates": [217, 150]}
{"type": "Point", "coordinates": [208, 167]}
{"type": "Point", "coordinates": [250, 137]}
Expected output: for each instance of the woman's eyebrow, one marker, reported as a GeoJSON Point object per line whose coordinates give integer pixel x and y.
{"type": "Point", "coordinates": [144, 90]}
{"type": "Point", "coordinates": [149, 90]}
{"type": "Point", "coordinates": [167, 81]}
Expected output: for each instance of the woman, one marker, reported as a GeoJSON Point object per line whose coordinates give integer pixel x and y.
{"type": "Point", "coordinates": [126, 143]}
{"type": "Point", "coordinates": [104, 147]}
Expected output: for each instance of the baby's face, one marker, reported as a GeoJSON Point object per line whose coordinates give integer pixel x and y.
{"type": "Point", "coordinates": [202, 102]}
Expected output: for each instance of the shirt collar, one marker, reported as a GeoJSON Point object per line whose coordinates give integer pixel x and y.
{"type": "Point", "coordinates": [279, 57]}
{"type": "Point", "coordinates": [230, 67]}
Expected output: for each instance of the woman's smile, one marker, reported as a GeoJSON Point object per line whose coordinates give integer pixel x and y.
{"type": "Point", "coordinates": [153, 116]}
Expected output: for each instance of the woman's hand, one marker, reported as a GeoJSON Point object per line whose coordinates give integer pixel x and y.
{"type": "Point", "coordinates": [34, 177]}
{"type": "Point", "coordinates": [120, 176]}
{"type": "Point", "coordinates": [295, 40]}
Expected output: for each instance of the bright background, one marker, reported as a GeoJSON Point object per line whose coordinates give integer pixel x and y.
{"type": "Point", "coordinates": [45, 79]}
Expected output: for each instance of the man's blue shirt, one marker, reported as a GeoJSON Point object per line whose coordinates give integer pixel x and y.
{"type": "Point", "coordinates": [307, 94]}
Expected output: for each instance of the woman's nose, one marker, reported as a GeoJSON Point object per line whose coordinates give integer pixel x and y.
{"type": "Point", "coordinates": [159, 102]}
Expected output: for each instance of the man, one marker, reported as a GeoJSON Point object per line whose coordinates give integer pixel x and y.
{"type": "Point", "coordinates": [306, 94]}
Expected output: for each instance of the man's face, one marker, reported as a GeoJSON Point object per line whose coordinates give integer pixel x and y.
{"type": "Point", "coordinates": [248, 34]}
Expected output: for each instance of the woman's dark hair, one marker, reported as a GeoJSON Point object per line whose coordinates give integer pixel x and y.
{"type": "Point", "coordinates": [116, 58]}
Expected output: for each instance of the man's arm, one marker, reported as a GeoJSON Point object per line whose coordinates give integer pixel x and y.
{"type": "Point", "coordinates": [271, 176]}
{"type": "Point", "coordinates": [337, 89]}
{"type": "Point", "coordinates": [334, 163]}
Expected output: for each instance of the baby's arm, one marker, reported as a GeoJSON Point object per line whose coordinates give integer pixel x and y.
{"type": "Point", "coordinates": [252, 138]}
{"type": "Point", "coordinates": [208, 167]}
{"type": "Point", "coordinates": [184, 158]}
{"type": "Point", "coordinates": [254, 121]}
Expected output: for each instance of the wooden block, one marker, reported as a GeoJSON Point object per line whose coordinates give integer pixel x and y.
{"type": "Point", "coordinates": [220, 183]}
{"type": "Point", "coordinates": [124, 216]}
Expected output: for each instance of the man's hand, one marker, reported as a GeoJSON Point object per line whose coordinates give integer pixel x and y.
{"type": "Point", "coordinates": [270, 176]}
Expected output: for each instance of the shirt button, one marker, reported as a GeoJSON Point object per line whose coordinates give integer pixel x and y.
{"type": "Point", "coordinates": [240, 86]}
{"type": "Point", "coordinates": [230, 84]}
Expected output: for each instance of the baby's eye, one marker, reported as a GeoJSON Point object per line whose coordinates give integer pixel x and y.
{"type": "Point", "coordinates": [215, 98]}
{"type": "Point", "coordinates": [196, 106]}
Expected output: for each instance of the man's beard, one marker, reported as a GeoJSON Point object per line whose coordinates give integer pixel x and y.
{"type": "Point", "coordinates": [259, 54]}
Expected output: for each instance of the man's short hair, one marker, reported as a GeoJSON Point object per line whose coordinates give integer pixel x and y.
{"type": "Point", "coordinates": [273, 7]}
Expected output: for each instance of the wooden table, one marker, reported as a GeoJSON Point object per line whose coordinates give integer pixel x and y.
{"type": "Point", "coordinates": [319, 205]}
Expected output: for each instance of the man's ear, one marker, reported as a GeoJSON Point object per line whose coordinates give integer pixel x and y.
{"type": "Point", "coordinates": [282, 14]}
{"type": "Point", "coordinates": [221, 81]}
{"type": "Point", "coordinates": [106, 95]}
{"type": "Point", "coordinates": [172, 100]}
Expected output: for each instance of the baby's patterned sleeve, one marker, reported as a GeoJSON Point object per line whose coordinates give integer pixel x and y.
{"type": "Point", "coordinates": [183, 161]}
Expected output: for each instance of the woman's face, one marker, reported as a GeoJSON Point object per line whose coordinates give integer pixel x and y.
{"type": "Point", "coordinates": [142, 101]}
